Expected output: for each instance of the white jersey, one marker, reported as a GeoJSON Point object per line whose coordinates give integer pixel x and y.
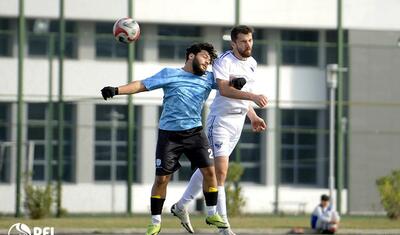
{"type": "Point", "coordinates": [228, 67]}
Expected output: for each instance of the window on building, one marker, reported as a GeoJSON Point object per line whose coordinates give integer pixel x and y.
{"type": "Point", "coordinates": [260, 48]}
{"type": "Point", "coordinates": [331, 48]}
{"type": "Point", "coordinates": [37, 132]}
{"type": "Point", "coordinates": [299, 147]}
{"type": "Point", "coordinates": [107, 47]}
{"type": "Point", "coordinates": [299, 47]}
{"type": "Point", "coordinates": [111, 143]}
{"type": "Point", "coordinates": [38, 43]}
{"type": "Point", "coordinates": [5, 148]}
{"type": "Point", "coordinates": [173, 40]}
{"type": "Point", "coordinates": [248, 151]}
{"type": "Point", "coordinates": [6, 37]}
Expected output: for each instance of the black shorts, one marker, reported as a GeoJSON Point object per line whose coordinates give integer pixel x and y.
{"type": "Point", "coordinates": [172, 144]}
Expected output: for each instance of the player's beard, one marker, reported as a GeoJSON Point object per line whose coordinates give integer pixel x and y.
{"type": "Point", "coordinates": [245, 52]}
{"type": "Point", "coordinates": [197, 67]}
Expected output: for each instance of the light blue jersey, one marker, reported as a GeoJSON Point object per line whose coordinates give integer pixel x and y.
{"type": "Point", "coordinates": [184, 97]}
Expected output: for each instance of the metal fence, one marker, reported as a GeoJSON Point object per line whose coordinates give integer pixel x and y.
{"type": "Point", "coordinates": [297, 139]}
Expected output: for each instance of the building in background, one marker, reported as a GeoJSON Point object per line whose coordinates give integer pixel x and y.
{"type": "Point", "coordinates": [294, 37]}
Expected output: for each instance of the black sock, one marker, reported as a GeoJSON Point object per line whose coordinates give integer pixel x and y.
{"type": "Point", "coordinates": [211, 198]}
{"type": "Point", "coordinates": [156, 205]}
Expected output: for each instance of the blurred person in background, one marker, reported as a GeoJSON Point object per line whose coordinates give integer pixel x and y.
{"type": "Point", "coordinates": [324, 218]}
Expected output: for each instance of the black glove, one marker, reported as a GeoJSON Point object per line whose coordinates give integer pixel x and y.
{"type": "Point", "coordinates": [109, 92]}
{"type": "Point", "coordinates": [238, 83]}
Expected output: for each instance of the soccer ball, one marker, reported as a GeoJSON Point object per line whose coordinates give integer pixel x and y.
{"type": "Point", "coordinates": [126, 30]}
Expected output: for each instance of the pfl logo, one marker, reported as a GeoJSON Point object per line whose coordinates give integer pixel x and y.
{"type": "Point", "coordinates": [23, 229]}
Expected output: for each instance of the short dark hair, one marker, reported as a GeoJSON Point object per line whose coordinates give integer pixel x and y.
{"type": "Point", "coordinates": [244, 29]}
{"type": "Point", "coordinates": [197, 47]}
{"type": "Point", "coordinates": [325, 197]}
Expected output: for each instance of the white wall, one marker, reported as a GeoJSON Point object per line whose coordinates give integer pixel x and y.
{"type": "Point", "coordinates": [209, 12]}
{"type": "Point", "coordinates": [289, 13]}
{"type": "Point", "coordinates": [83, 79]}
{"type": "Point", "coordinates": [7, 195]}
{"type": "Point", "coordinates": [213, 12]}
{"type": "Point", "coordinates": [371, 14]}
{"type": "Point", "coordinates": [96, 198]}
{"type": "Point", "coordinates": [357, 14]}
{"type": "Point", "coordinates": [302, 87]}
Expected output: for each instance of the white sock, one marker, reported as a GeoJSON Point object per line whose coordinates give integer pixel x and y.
{"type": "Point", "coordinates": [156, 219]}
{"type": "Point", "coordinates": [221, 205]}
{"type": "Point", "coordinates": [211, 210]}
{"type": "Point", "coordinates": [193, 189]}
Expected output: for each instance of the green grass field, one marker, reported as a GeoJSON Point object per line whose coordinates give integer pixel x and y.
{"type": "Point", "coordinates": [245, 221]}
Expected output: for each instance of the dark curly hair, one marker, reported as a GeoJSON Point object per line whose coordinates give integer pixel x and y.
{"type": "Point", "coordinates": [197, 47]}
{"type": "Point", "coordinates": [244, 29]}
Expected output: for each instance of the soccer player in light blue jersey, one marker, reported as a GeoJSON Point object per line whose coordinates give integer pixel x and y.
{"type": "Point", "coordinates": [180, 128]}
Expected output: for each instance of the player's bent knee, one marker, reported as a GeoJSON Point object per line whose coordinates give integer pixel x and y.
{"type": "Point", "coordinates": [161, 180]}
{"type": "Point", "coordinates": [221, 174]}
{"type": "Point", "coordinates": [208, 172]}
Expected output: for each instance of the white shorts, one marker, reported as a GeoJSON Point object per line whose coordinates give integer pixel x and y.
{"type": "Point", "coordinates": [223, 133]}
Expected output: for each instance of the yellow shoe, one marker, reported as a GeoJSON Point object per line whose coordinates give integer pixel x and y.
{"type": "Point", "coordinates": [217, 221]}
{"type": "Point", "coordinates": [153, 229]}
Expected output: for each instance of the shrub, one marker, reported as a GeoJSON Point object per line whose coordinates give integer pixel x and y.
{"type": "Point", "coordinates": [38, 201]}
{"type": "Point", "coordinates": [389, 190]}
{"type": "Point", "coordinates": [234, 198]}
{"type": "Point", "coordinates": [63, 212]}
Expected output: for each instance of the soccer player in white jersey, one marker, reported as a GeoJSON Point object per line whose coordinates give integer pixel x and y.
{"type": "Point", "coordinates": [180, 129]}
{"type": "Point", "coordinates": [234, 72]}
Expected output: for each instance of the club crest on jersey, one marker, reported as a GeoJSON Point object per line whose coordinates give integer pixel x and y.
{"type": "Point", "coordinates": [218, 145]}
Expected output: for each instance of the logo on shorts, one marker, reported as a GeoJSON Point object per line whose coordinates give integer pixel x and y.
{"type": "Point", "coordinates": [218, 145]}
{"type": "Point", "coordinates": [158, 162]}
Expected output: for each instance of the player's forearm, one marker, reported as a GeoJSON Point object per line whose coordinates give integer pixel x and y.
{"type": "Point", "coordinates": [131, 88]}
{"type": "Point", "coordinates": [233, 93]}
{"type": "Point", "coordinates": [229, 91]}
{"type": "Point", "coordinates": [236, 94]}
{"type": "Point", "coordinates": [251, 114]}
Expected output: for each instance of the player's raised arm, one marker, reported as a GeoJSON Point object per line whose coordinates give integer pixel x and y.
{"type": "Point", "coordinates": [131, 88]}
{"type": "Point", "coordinates": [231, 90]}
